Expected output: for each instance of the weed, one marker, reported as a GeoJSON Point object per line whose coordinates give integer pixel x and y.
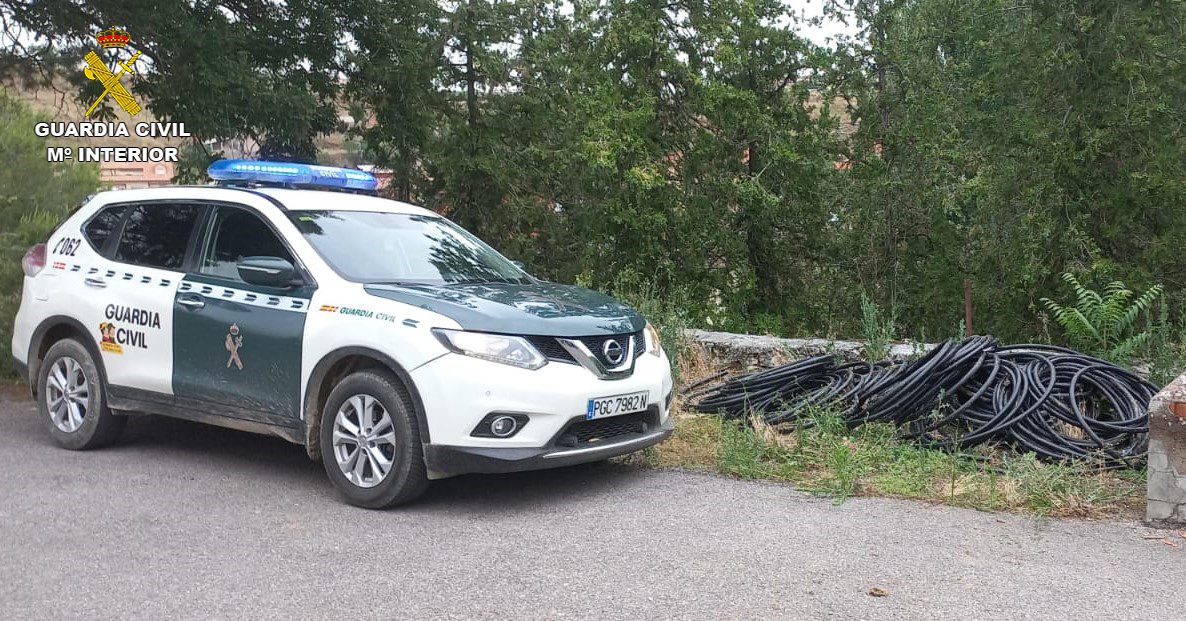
{"type": "Point", "coordinates": [767, 323]}
{"type": "Point", "coordinates": [825, 457]}
{"type": "Point", "coordinates": [877, 329]}
{"type": "Point", "coordinates": [1166, 350]}
{"type": "Point", "coordinates": [742, 452]}
{"type": "Point", "coordinates": [1136, 476]}
{"type": "Point", "coordinates": [1065, 489]}
{"type": "Point", "coordinates": [668, 315]}
{"type": "Point", "coordinates": [696, 444]}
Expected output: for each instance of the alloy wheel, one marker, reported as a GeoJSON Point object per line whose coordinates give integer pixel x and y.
{"type": "Point", "coordinates": [364, 440]}
{"type": "Point", "coordinates": [67, 394]}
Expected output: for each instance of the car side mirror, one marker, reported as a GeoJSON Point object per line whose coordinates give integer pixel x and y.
{"type": "Point", "coordinates": [519, 264]}
{"type": "Point", "coordinates": [266, 271]}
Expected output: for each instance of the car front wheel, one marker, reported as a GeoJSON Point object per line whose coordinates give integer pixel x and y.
{"type": "Point", "coordinates": [71, 398]}
{"type": "Point", "coordinates": [370, 441]}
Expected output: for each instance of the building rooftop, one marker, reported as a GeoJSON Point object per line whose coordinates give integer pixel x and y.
{"type": "Point", "coordinates": [130, 175]}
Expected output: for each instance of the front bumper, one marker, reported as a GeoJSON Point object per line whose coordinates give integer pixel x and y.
{"type": "Point", "coordinates": [449, 460]}
{"type": "Point", "coordinates": [458, 392]}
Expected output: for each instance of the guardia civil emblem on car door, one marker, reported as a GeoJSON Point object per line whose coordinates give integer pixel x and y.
{"type": "Point", "coordinates": [233, 343]}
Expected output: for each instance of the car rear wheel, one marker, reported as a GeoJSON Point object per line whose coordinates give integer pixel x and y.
{"type": "Point", "coordinates": [370, 441]}
{"type": "Point", "coordinates": [71, 398]}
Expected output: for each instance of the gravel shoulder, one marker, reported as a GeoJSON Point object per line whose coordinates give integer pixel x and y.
{"type": "Point", "coordinates": [183, 521]}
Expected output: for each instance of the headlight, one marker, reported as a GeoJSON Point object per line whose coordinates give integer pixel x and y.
{"type": "Point", "coordinates": [511, 350]}
{"type": "Point", "coordinates": [654, 346]}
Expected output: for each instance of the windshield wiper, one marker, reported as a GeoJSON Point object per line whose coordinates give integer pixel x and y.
{"type": "Point", "coordinates": [397, 283]}
{"type": "Point", "coordinates": [488, 281]}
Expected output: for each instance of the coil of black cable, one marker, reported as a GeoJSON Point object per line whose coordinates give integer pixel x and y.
{"type": "Point", "coordinates": [1055, 402]}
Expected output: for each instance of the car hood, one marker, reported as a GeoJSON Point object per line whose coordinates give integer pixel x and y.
{"type": "Point", "coordinates": [543, 309]}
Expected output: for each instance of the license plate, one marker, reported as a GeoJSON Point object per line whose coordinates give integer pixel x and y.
{"type": "Point", "coordinates": [604, 407]}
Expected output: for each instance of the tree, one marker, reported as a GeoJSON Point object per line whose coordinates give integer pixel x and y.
{"type": "Point", "coordinates": [34, 197]}
{"type": "Point", "coordinates": [691, 148]}
{"type": "Point", "coordinates": [392, 74]}
{"type": "Point", "coordinates": [689, 157]}
{"type": "Point", "coordinates": [1009, 142]}
{"type": "Point", "coordinates": [256, 69]}
{"type": "Point", "coordinates": [771, 144]}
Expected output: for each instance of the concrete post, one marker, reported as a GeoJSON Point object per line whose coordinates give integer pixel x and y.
{"type": "Point", "coordinates": [1166, 497]}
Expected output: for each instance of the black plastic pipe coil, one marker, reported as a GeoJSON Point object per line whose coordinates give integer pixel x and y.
{"type": "Point", "coordinates": [1054, 402]}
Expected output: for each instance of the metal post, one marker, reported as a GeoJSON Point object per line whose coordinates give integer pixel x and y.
{"type": "Point", "coordinates": [967, 307]}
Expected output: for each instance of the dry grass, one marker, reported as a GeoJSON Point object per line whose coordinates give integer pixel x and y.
{"type": "Point", "coordinates": [694, 445]}
{"type": "Point", "coordinates": [13, 389]}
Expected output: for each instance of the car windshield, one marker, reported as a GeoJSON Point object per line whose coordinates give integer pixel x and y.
{"type": "Point", "coordinates": [398, 248]}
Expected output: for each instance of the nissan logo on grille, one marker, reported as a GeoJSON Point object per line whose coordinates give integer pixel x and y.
{"type": "Point", "coordinates": [612, 350]}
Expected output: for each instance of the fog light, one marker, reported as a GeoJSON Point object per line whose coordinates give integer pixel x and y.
{"type": "Point", "coordinates": [500, 425]}
{"type": "Point", "coordinates": [503, 426]}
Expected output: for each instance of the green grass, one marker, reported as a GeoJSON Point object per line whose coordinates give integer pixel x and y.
{"type": "Point", "coordinates": [830, 460]}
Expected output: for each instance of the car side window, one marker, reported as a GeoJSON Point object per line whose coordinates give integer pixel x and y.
{"type": "Point", "coordinates": [235, 234]}
{"type": "Point", "coordinates": [157, 235]}
{"type": "Point", "coordinates": [100, 227]}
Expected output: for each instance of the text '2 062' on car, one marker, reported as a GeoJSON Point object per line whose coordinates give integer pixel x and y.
{"type": "Point", "coordinates": [288, 299]}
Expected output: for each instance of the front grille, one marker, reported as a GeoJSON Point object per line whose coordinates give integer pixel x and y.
{"type": "Point", "coordinates": [551, 349]}
{"type": "Point", "coordinates": [587, 431]}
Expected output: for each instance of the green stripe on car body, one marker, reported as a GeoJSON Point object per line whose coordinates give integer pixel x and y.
{"type": "Point", "coordinates": [242, 348]}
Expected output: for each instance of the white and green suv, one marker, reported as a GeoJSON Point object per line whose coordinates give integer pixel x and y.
{"type": "Point", "coordinates": [289, 300]}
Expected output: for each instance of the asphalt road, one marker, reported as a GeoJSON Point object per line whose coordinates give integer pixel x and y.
{"type": "Point", "coordinates": [182, 521]}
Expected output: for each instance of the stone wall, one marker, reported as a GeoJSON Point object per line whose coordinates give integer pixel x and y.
{"type": "Point", "coordinates": [1166, 502]}
{"type": "Point", "coordinates": [770, 350]}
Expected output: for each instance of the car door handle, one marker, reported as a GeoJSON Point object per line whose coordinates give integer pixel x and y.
{"type": "Point", "coordinates": [192, 301]}
{"type": "Point", "coordinates": [97, 283]}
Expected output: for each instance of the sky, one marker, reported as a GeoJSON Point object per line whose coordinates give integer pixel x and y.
{"type": "Point", "coordinates": [818, 34]}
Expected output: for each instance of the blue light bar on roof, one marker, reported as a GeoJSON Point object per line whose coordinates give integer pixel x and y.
{"type": "Point", "coordinates": [256, 171]}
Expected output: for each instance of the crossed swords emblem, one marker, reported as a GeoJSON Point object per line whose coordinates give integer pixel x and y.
{"type": "Point", "coordinates": [234, 341]}
{"type": "Point", "coordinates": [96, 70]}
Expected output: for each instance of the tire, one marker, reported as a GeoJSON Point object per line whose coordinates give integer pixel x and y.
{"type": "Point", "coordinates": [77, 415]}
{"type": "Point", "coordinates": [395, 439]}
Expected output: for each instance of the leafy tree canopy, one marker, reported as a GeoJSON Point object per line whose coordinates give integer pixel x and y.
{"type": "Point", "coordinates": [705, 150]}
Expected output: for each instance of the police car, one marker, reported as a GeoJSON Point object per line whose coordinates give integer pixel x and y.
{"type": "Point", "coordinates": [288, 299]}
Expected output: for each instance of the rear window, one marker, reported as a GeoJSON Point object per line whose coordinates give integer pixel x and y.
{"type": "Point", "coordinates": [157, 235]}
{"type": "Point", "coordinates": [103, 224]}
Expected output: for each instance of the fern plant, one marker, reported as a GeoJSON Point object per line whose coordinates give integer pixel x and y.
{"type": "Point", "coordinates": [1105, 324]}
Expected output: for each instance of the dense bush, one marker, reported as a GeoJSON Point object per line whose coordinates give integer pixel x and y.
{"type": "Point", "coordinates": [34, 197]}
